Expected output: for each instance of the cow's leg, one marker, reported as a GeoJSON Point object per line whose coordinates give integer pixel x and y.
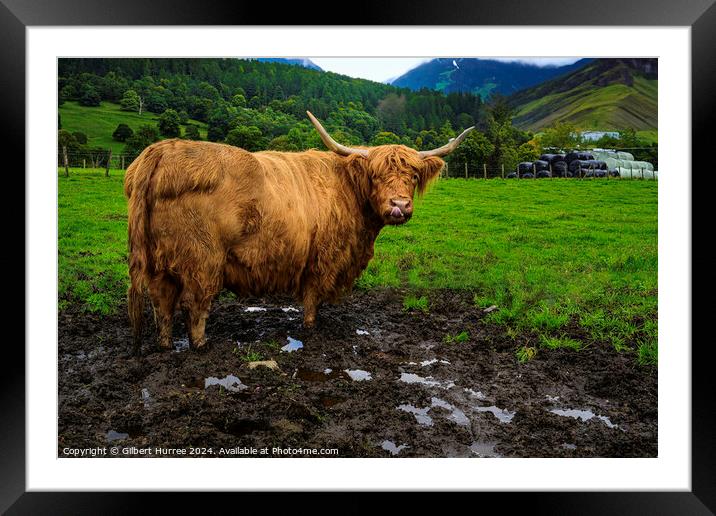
{"type": "Point", "coordinates": [310, 308]}
{"type": "Point", "coordinates": [164, 292]}
{"type": "Point", "coordinates": [195, 302]}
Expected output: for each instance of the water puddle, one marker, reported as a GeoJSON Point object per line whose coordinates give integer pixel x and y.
{"type": "Point", "coordinates": [358, 375]}
{"type": "Point", "coordinates": [428, 381]}
{"type": "Point", "coordinates": [426, 363]}
{"type": "Point", "coordinates": [504, 415]}
{"type": "Point", "coordinates": [456, 416]}
{"type": "Point", "coordinates": [318, 376]}
{"type": "Point", "coordinates": [484, 449]}
{"type": "Point", "coordinates": [146, 398]}
{"type": "Point", "coordinates": [584, 415]}
{"type": "Point", "coordinates": [421, 414]}
{"type": "Point", "coordinates": [392, 448]}
{"type": "Point", "coordinates": [477, 394]}
{"type": "Point", "coordinates": [116, 436]}
{"type": "Point", "coordinates": [230, 383]}
{"type": "Point", "coordinates": [293, 345]}
{"type": "Point", "coordinates": [362, 332]}
{"type": "Point", "coordinates": [181, 345]}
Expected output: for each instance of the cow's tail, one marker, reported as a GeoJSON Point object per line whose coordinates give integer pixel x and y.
{"type": "Point", "coordinates": [137, 189]}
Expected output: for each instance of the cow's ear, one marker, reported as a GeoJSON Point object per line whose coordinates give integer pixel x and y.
{"type": "Point", "coordinates": [429, 172]}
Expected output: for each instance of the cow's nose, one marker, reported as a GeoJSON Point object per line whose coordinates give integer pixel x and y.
{"type": "Point", "coordinates": [404, 205]}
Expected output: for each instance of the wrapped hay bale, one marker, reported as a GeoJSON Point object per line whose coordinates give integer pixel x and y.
{"type": "Point", "coordinates": [511, 175]}
{"type": "Point", "coordinates": [626, 156]}
{"type": "Point", "coordinates": [543, 174]}
{"type": "Point", "coordinates": [528, 175]}
{"type": "Point", "coordinates": [524, 167]}
{"type": "Point", "coordinates": [559, 168]}
{"type": "Point", "coordinates": [540, 165]}
{"type": "Point", "coordinates": [547, 157]}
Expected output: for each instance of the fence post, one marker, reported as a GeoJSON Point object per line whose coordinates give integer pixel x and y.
{"type": "Point", "coordinates": [466, 170]}
{"type": "Point", "coordinates": [84, 162]}
{"type": "Point", "coordinates": [446, 170]}
{"type": "Point", "coordinates": [503, 170]}
{"type": "Point", "coordinates": [122, 161]}
{"type": "Point", "coordinates": [64, 156]}
{"type": "Point", "coordinates": [109, 159]}
{"type": "Point", "coordinates": [551, 174]}
{"type": "Point", "coordinates": [484, 170]}
{"type": "Point", "coordinates": [642, 173]}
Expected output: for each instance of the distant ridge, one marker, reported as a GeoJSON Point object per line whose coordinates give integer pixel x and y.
{"type": "Point", "coordinates": [480, 76]}
{"type": "Point", "coordinates": [606, 94]}
{"type": "Point", "coordinates": [305, 62]}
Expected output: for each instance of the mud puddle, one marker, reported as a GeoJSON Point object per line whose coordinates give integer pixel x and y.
{"type": "Point", "coordinates": [370, 380]}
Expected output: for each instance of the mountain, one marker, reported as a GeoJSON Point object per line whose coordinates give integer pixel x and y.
{"type": "Point", "coordinates": [480, 76]}
{"type": "Point", "coordinates": [606, 94]}
{"type": "Point", "coordinates": [306, 63]}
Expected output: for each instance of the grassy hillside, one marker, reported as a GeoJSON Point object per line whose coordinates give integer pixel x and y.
{"type": "Point", "coordinates": [98, 123]}
{"type": "Point", "coordinates": [604, 95]}
{"type": "Point", "coordinates": [548, 254]}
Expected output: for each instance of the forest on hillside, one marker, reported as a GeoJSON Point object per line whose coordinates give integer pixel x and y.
{"type": "Point", "coordinates": [262, 105]}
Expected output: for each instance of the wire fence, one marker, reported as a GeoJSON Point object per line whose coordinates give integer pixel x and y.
{"type": "Point", "coordinates": [468, 170]}
{"type": "Point", "coordinates": [107, 160]}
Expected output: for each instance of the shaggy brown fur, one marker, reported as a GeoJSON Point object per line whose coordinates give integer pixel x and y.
{"type": "Point", "coordinates": [206, 216]}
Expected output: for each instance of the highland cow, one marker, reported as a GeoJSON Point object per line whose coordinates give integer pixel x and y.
{"type": "Point", "coordinates": [207, 216]}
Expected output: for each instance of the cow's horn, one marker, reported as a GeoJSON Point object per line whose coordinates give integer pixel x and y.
{"type": "Point", "coordinates": [448, 147]}
{"type": "Point", "coordinates": [331, 143]}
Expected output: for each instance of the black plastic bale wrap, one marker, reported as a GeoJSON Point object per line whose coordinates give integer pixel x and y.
{"type": "Point", "coordinates": [578, 155]}
{"type": "Point", "coordinates": [528, 175]}
{"type": "Point", "coordinates": [576, 164]}
{"type": "Point", "coordinates": [547, 157]}
{"type": "Point", "coordinates": [556, 158]}
{"type": "Point", "coordinates": [600, 173]}
{"type": "Point", "coordinates": [598, 164]}
{"type": "Point", "coordinates": [540, 165]}
{"type": "Point", "coordinates": [588, 173]}
{"type": "Point", "coordinates": [524, 167]}
{"type": "Point", "coordinates": [559, 168]}
{"type": "Point", "coordinates": [543, 173]}
{"type": "Point", "coordinates": [511, 175]}
{"type": "Point", "coordinates": [614, 172]}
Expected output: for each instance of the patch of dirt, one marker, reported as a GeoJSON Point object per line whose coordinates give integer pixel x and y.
{"type": "Point", "coordinates": [371, 380]}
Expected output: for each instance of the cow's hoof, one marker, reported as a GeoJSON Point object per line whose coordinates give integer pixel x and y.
{"type": "Point", "coordinates": [199, 345]}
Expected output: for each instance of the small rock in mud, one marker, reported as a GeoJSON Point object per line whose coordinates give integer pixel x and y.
{"type": "Point", "coordinates": [271, 364]}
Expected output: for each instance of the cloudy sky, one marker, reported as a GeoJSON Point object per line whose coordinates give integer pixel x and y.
{"type": "Point", "coordinates": [382, 68]}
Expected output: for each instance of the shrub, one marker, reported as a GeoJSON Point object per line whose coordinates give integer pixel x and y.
{"type": "Point", "coordinates": [122, 132]}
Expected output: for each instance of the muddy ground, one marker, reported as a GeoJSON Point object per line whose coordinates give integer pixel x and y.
{"type": "Point", "coordinates": [371, 380]}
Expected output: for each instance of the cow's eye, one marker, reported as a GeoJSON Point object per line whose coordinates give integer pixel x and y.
{"type": "Point", "coordinates": [415, 179]}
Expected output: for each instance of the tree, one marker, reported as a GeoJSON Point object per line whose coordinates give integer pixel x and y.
{"type": "Point", "coordinates": [562, 136]}
{"type": "Point", "coordinates": [169, 123]}
{"type": "Point", "coordinates": [248, 138]}
{"type": "Point", "coordinates": [89, 96]}
{"type": "Point", "coordinates": [143, 137]}
{"type": "Point", "coordinates": [66, 139]}
{"type": "Point", "coordinates": [80, 137]}
{"type": "Point", "coordinates": [122, 132]}
{"type": "Point", "coordinates": [132, 101]}
{"type": "Point", "coordinates": [528, 151]}
{"type": "Point", "coordinates": [192, 132]}
{"type": "Point", "coordinates": [385, 138]}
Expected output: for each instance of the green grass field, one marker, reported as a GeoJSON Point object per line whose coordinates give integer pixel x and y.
{"type": "Point", "coordinates": [551, 254]}
{"type": "Point", "coordinates": [98, 123]}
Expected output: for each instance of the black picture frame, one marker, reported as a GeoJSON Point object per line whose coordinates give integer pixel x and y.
{"type": "Point", "coordinates": [700, 15]}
